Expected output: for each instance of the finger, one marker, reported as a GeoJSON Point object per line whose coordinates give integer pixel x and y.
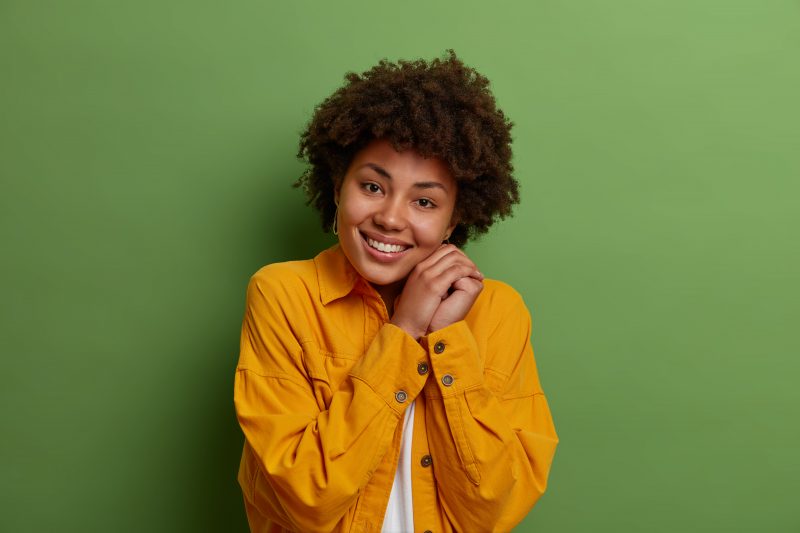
{"type": "Point", "coordinates": [461, 253]}
{"type": "Point", "coordinates": [450, 251]}
{"type": "Point", "coordinates": [469, 285]}
{"type": "Point", "coordinates": [448, 261]}
{"type": "Point", "coordinates": [450, 276]}
{"type": "Point", "coordinates": [436, 255]}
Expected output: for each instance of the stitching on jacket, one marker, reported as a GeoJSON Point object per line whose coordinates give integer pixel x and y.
{"type": "Point", "coordinates": [340, 355]}
{"type": "Point", "coordinates": [324, 351]}
{"type": "Point", "coordinates": [275, 375]}
{"type": "Point", "coordinates": [386, 401]}
{"type": "Point", "coordinates": [496, 371]}
{"type": "Point", "coordinates": [521, 396]}
{"type": "Point", "coordinates": [476, 478]}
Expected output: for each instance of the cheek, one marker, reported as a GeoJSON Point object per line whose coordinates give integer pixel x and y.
{"type": "Point", "coordinates": [431, 233]}
{"type": "Point", "coordinates": [354, 217]}
{"type": "Point", "coordinates": [350, 211]}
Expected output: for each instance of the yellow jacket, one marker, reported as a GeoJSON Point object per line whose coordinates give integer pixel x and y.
{"type": "Point", "coordinates": [316, 395]}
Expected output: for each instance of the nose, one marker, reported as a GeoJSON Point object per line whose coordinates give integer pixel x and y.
{"type": "Point", "coordinates": [390, 216]}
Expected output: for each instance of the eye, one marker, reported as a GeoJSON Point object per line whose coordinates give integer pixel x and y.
{"type": "Point", "coordinates": [371, 187]}
{"type": "Point", "coordinates": [426, 203]}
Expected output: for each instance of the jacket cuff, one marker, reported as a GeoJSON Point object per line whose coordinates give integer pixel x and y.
{"type": "Point", "coordinates": [455, 359]}
{"type": "Point", "coordinates": [391, 366]}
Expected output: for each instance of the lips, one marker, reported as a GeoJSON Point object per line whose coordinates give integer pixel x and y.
{"type": "Point", "coordinates": [384, 244]}
{"type": "Point", "coordinates": [384, 249]}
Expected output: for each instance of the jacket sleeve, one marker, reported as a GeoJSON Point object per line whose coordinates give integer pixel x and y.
{"type": "Point", "coordinates": [310, 462]}
{"type": "Point", "coordinates": [490, 431]}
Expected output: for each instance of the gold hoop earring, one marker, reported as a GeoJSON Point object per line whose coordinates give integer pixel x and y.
{"type": "Point", "coordinates": [335, 219]}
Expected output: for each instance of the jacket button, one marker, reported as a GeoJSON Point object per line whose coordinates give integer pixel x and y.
{"type": "Point", "coordinates": [428, 531]}
{"type": "Point", "coordinates": [422, 368]}
{"type": "Point", "coordinates": [426, 461]}
{"type": "Point", "coordinates": [447, 380]}
{"type": "Point", "coordinates": [438, 347]}
{"type": "Point", "coordinates": [400, 396]}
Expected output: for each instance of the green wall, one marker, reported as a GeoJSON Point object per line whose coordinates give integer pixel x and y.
{"type": "Point", "coordinates": [147, 151]}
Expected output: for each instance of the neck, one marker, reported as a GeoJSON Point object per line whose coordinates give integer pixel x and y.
{"type": "Point", "coordinates": [389, 294]}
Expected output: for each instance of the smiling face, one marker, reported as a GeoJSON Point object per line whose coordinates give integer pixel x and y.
{"type": "Point", "coordinates": [395, 209]}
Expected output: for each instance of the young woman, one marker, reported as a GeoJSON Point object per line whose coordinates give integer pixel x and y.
{"type": "Point", "coordinates": [386, 384]}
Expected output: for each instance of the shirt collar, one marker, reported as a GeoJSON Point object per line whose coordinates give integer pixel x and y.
{"type": "Point", "coordinates": [337, 277]}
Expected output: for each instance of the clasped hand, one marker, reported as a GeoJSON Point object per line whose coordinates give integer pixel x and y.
{"type": "Point", "coordinates": [438, 292]}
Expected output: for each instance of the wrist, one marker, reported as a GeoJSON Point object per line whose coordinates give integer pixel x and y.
{"type": "Point", "coordinates": [414, 333]}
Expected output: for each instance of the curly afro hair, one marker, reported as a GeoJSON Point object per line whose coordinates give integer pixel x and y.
{"type": "Point", "coordinates": [440, 108]}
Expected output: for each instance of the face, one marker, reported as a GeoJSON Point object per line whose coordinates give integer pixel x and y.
{"type": "Point", "coordinates": [395, 209]}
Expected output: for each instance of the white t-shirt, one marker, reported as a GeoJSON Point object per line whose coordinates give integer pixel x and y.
{"type": "Point", "coordinates": [399, 516]}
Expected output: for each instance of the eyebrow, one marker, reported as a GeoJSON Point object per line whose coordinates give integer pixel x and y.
{"type": "Point", "coordinates": [419, 185]}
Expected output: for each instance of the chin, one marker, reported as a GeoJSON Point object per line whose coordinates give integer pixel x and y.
{"type": "Point", "coordinates": [378, 277]}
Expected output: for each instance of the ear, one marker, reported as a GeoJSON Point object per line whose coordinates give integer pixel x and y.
{"type": "Point", "coordinates": [337, 185]}
{"type": "Point", "coordinates": [450, 228]}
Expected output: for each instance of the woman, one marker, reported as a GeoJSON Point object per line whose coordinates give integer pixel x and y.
{"type": "Point", "coordinates": [386, 384]}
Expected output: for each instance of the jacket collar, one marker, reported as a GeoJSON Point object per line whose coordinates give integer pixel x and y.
{"type": "Point", "coordinates": [336, 276]}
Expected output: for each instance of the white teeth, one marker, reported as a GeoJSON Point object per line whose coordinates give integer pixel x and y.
{"type": "Point", "coordinates": [383, 247]}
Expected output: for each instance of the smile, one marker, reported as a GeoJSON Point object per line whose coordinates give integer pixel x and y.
{"type": "Point", "coordinates": [383, 247]}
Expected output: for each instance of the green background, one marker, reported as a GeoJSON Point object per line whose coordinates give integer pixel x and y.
{"type": "Point", "coordinates": [147, 150]}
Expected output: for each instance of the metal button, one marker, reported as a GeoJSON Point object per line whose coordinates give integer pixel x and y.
{"type": "Point", "coordinates": [422, 368]}
{"type": "Point", "coordinates": [400, 396]}
{"type": "Point", "coordinates": [438, 347]}
{"type": "Point", "coordinates": [426, 461]}
{"type": "Point", "coordinates": [428, 531]}
{"type": "Point", "coordinates": [447, 380]}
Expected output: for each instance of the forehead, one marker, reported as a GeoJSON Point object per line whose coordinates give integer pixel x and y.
{"type": "Point", "coordinates": [406, 168]}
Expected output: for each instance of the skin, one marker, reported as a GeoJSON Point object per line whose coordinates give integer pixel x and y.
{"type": "Point", "coordinates": [402, 198]}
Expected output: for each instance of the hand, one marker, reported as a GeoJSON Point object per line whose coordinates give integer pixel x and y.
{"type": "Point", "coordinates": [439, 291]}
{"type": "Point", "coordinates": [456, 306]}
